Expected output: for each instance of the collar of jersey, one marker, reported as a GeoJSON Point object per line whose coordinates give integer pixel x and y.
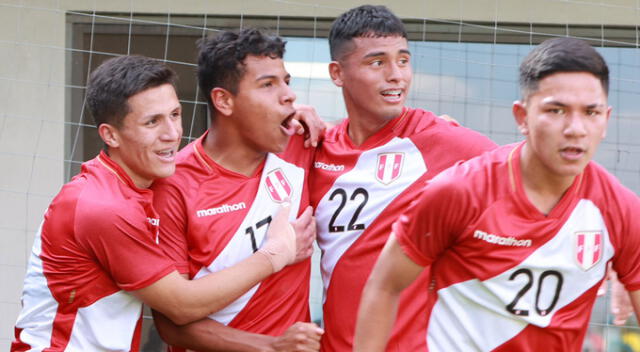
{"type": "Point", "coordinates": [118, 172]}
{"type": "Point", "coordinates": [517, 189]}
{"type": "Point", "coordinates": [212, 167]}
{"type": "Point", "coordinates": [378, 138]}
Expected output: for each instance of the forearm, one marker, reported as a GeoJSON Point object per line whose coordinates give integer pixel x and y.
{"type": "Point", "coordinates": [208, 335]}
{"type": "Point", "coordinates": [376, 316]}
{"type": "Point", "coordinates": [185, 301]}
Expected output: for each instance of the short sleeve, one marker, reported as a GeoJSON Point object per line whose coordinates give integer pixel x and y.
{"type": "Point", "coordinates": [433, 221]}
{"type": "Point", "coordinates": [627, 227]}
{"type": "Point", "coordinates": [170, 205]}
{"type": "Point", "coordinates": [123, 242]}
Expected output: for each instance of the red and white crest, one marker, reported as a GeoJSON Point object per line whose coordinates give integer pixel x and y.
{"type": "Point", "coordinates": [588, 248]}
{"type": "Point", "coordinates": [389, 167]}
{"type": "Point", "coordinates": [278, 186]}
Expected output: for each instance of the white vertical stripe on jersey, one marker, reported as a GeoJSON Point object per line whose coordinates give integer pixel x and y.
{"type": "Point", "coordinates": [239, 247]}
{"type": "Point", "coordinates": [38, 305]}
{"type": "Point", "coordinates": [363, 174]}
{"type": "Point", "coordinates": [454, 321]}
{"type": "Point", "coordinates": [106, 325]}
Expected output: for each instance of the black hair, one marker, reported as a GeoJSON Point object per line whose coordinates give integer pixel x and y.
{"type": "Point", "coordinates": [221, 58]}
{"type": "Point", "coordinates": [112, 84]}
{"type": "Point", "coordinates": [363, 21]}
{"type": "Point", "coordinates": [561, 55]}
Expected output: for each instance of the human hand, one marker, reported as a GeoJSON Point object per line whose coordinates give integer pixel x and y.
{"type": "Point", "coordinates": [305, 228]}
{"type": "Point", "coordinates": [280, 245]}
{"type": "Point", "coordinates": [449, 118]}
{"type": "Point", "coordinates": [299, 337]}
{"type": "Point", "coordinates": [309, 124]}
{"type": "Point", "coordinates": [621, 307]}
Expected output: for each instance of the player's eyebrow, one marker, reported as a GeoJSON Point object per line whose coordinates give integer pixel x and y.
{"type": "Point", "coordinates": [260, 78]}
{"type": "Point", "coordinates": [382, 53]}
{"type": "Point", "coordinates": [559, 103]}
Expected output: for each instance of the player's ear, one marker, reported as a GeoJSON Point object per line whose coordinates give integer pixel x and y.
{"type": "Point", "coordinates": [335, 71]}
{"type": "Point", "coordinates": [520, 114]}
{"type": "Point", "coordinates": [222, 100]}
{"type": "Point", "coordinates": [109, 134]}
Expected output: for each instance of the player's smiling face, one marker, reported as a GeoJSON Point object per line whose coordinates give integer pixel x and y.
{"type": "Point", "coordinates": [375, 74]}
{"type": "Point", "coordinates": [147, 142]}
{"type": "Point", "coordinates": [564, 121]}
{"type": "Point", "coordinates": [263, 104]}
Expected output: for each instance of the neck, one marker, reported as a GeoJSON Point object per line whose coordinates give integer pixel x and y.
{"type": "Point", "coordinates": [114, 154]}
{"type": "Point", "coordinates": [224, 147]}
{"type": "Point", "coordinates": [543, 189]}
{"type": "Point", "coordinates": [364, 125]}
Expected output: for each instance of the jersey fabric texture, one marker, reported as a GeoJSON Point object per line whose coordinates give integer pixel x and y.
{"type": "Point", "coordinates": [99, 239]}
{"type": "Point", "coordinates": [507, 277]}
{"type": "Point", "coordinates": [214, 218]}
{"type": "Point", "coordinates": [358, 192]}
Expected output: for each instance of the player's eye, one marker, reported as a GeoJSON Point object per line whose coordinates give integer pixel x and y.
{"type": "Point", "coordinates": [556, 111]}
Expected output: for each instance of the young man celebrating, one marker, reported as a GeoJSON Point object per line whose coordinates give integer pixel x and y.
{"type": "Point", "coordinates": [368, 169]}
{"type": "Point", "coordinates": [226, 190]}
{"type": "Point", "coordinates": [96, 257]}
{"type": "Point", "coordinates": [518, 239]}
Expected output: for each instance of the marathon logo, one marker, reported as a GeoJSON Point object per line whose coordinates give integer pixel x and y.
{"type": "Point", "coordinates": [224, 208]}
{"type": "Point", "coordinates": [500, 240]}
{"type": "Point", "coordinates": [328, 167]}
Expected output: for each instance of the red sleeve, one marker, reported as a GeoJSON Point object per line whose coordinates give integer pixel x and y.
{"type": "Point", "coordinates": [626, 261]}
{"type": "Point", "coordinates": [170, 205]}
{"type": "Point", "coordinates": [433, 221]}
{"type": "Point", "coordinates": [123, 242]}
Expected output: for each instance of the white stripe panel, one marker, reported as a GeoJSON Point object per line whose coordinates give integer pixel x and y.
{"type": "Point", "coordinates": [38, 305]}
{"type": "Point", "coordinates": [334, 244]}
{"type": "Point", "coordinates": [239, 247]}
{"type": "Point", "coordinates": [106, 325]}
{"type": "Point", "coordinates": [454, 320]}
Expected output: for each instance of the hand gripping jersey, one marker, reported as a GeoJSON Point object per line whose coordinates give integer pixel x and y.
{"type": "Point", "coordinates": [215, 218]}
{"type": "Point", "coordinates": [99, 238]}
{"type": "Point", "coordinates": [358, 192]}
{"type": "Point", "coordinates": [507, 277]}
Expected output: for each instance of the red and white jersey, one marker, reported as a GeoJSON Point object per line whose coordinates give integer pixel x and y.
{"type": "Point", "coordinates": [359, 191]}
{"type": "Point", "coordinates": [214, 218]}
{"type": "Point", "coordinates": [98, 240]}
{"type": "Point", "coordinates": [506, 276]}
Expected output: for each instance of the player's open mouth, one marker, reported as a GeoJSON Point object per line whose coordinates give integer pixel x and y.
{"type": "Point", "coordinates": [572, 153]}
{"type": "Point", "coordinates": [392, 95]}
{"type": "Point", "coordinates": [167, 154]}
{"type": "Point", "coordinates": [287, 126]}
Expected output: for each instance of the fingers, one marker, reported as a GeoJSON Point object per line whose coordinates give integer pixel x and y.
{"type": "Point", "coordinates": [280, 246]}
{"type": "Point", "coordinates": [621, 306]}
{"type": "Point", "coordinates": [305, 227]}
{"type": "Point", "coordinates": [312, 124]}
{"type": "Point", "coordinates": [303, 337]}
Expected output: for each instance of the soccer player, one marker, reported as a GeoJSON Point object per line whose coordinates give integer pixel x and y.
{"type": "Point", "coordinates": [226, 190]}
{"type": "Point", "coordinates": [96, 257]}
{"type": "Point", "coordinates": [518, 239]}
{"type": "Point", "coordinates": [369, 168]}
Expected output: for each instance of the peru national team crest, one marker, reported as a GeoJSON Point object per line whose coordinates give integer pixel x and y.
{"type": "Point", "coordinates": [588, 248]}
{"type": "Point", "coordinates": [278, 186]}
{"type": "Point", "coordinates": [389, 167]}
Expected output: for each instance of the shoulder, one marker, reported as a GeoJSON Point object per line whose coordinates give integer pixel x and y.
{"type": "Point", "coordinates": [604, 187]}
{"type": "Point", "coordinates": [430, 132]}
{"type": "Point", "coordinates": [297, 153]}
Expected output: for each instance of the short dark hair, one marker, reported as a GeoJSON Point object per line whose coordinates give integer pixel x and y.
{"type": "Point", "coordinates": [561, 55]}
{"type": "Point", "coordinates": [363, 21]}
{"type": "Point", "coordinates": [221, 58]}
{"type": "Point", "coordinates": [117, 79]}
